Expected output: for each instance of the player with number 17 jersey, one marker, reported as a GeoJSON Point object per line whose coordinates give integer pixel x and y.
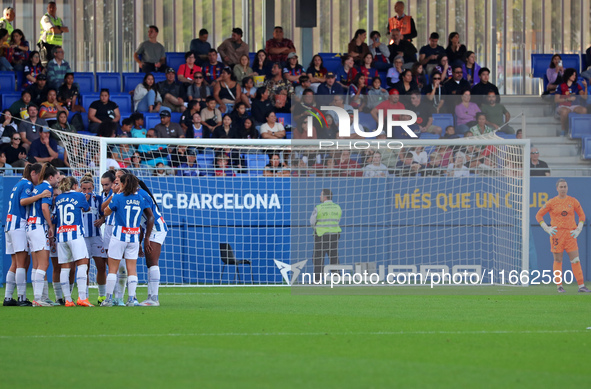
{"type": "Point", "coordinates": [128, 211]}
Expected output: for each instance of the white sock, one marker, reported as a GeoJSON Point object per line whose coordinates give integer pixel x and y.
{"type": "Point", "coordinates": [57, 289]}
{"type": "Point", "coordinates": [10, 284]}
{"type": "Point", "coordinates": [81, 281]}
{"type": "Point", "coordinates": [111, 281]}
{"type": "Point", "coordinates": [45, 294]}
{"type": "Point", "coordinates": [102, 290]}
{"type": "Point", "coordinates": [132, 281]}
{"type": "Point", "coordinates": [21, 283]}
{"type": "Point", "coordinates": [65, 284]}
{"type": "Point", "coordinates": [121, 280]}
{"type": "Point", "coordinates": [153, 282]}
{"type": "Point", "coordinates": [38, 277]}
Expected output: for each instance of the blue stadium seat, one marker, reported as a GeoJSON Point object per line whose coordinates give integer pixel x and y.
{"type": "Point", "coordinates": [131, 80]}
{"type": "Point", "coordinates": [175, 117]}
{"type": "Point", "coordinates": [88, 98]}
{"type": "Point", "coordinates": [287, 134]}
{"type": "Point", "coordinates": [206, 163]}
{"type": "Point", "coordinates": [123, 100]}
{"type": "Point", "coordinates": [580, 125]}
{"type": "Point", "coordinates": [584, 64]}
{"type": "Point", "coordinates": [285, 119]}
{"type": "Point", "coordinates": [151, 119]}
{"type": "Point", "coordinates": [9, 98]}
{"type": "Point", "coordinates": [175, 60]}
{"type": "Point", "coordinates": [256, 163]}
{"type": "Point", "coordinates": [159, 77]}
{"type": "Point", "coordinates": [110, 81]}
{"type": "Point", "coordinates": [85, 81]}
{"type": "Point", "coordinates": [7, 82]}
{"type": "Point", "coordinates": [540, 63]}
{"type": "Point", "coordinates": [443, 120]}
{"type": "Point", "coordinates": [20, 79]}
{"type": "Point", "coordinates": [426, 135]}
{"type": "Point", "coordinates": [251, 57]}
{"type": "Point", "coordinates": [503, 135]}
{"type": "Point", "coordinates": [84, 119]}
{"type": "Point", "coordinates": [383, 77]}
{"type": "Point", "coordinates": [331, 61]}
{"type": "Point", "coordinates": [586, 143]}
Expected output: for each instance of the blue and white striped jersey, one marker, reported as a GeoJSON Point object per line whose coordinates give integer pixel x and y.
{"type": "Point", "coordinates": [128, 215]}
{"type": "Point", "coordinates": [95, 213]}
{"type": "Point", "coordinates": [69, 207]}
{"type": "Point", "coordinates": [16, 217]}
{"type": "Point", "coordinates": [110, 220]}
{"type": "Point", "coordinates": [159, 223]}
{"type": "Point", "coordinates": [35, 211]}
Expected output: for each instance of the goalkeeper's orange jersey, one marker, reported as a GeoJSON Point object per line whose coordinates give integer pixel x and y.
{"type": "Point", "coordinates": [562, 212]}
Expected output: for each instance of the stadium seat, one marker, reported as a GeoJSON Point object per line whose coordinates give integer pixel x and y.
{"type": "Point", "coordinates": [151, 119]}
{"type": "Point", "coordinates": [503, 135]}
{"type": "Point", "coordinates": [285, 119]}
{"type": "Point", "coordinates": [256, 163]}
{"type": "Point", "coordinates": [228, 258]}
{"type": "Point", "coordinates": [88, 98]}
{"type": "Point", "coordinates": [443, 120]}
{"type": "Point", "coordinates": [175, 117]}
{"type": "Point", "coordinates": [383, 77]}
{"type": "Point", "coordinates": [287, 134]}
{"type": "Point", "coordinates": [110, 81]}
{"type": "Point", "coordinates": [85, 81]}
{"type": "Point", "coordinates": [251, 57]}
{"type": "Point", "coordinates": [331, 61]}
{"type": "Point", "coordinates": [540, 63]}
{"type": "Point", "coordinates": [580, 125]}
{"type": "Point", "coordinates": [584, 64]}
{"type": "Point", "coordinates": [175, 60]}
{"type": "Point", "coordinates": [9, 98]}
{"type": "Point", "coordinates": [206, 163]}
{"type": "Point", "coordinates": [85, 120]}
{"type": "Point", "coordinates": [123, 100]}
{"type": "Point", "coordinates": [131, 80]}
{"type": "Point", "coordinates": [426, 135]}
{"type": "Point", "coordinates": [159, 77]}
{"type": "Point", "coordinates": [7, 82]}
{"type": "Point", "coordinates": [586, 145]}
{"type": "Point", "coordinates": [20, 79]}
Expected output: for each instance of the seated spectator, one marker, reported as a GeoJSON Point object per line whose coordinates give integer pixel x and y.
{"type": "Point", "coordinates": [146, 97]}
{"type": "Point", "coordinates": [248, 130]}
{"type": "Point", "coordinates": [61, 124]}
{"type": "Point", "coordinates": [278, 47]}
{"type": "Point", "coordinates": [420, 156]}
{"type": "Point", "coordinates": [484, 87]}
{"type": "Point", "coordinates": [471, 69]}
{"type": "Point", "coordinates": [299, 166]}
{"type": "Point", "coordinates": [102, 110]}
{"type": "Point", "coordinates": [456, 52]}
{"type": "Point", "coordinates": [261, 106]}
{"type": "Point", "coordinates": [481, 127]}
{"type": "Point", "coordinates": [31, 128]}
{"type": "Point", "coordinates": [19, 50]}
{"type": "Point", "coordinates": [316, 72]}
{"type": "Point", "coordinates": [222, 169]}
{"type": "Point", "coordinates": [275, 168]}
{"type": "Point", "coordinates": [358, 49]}
{"type": "Point", "coordinates": [457, 85]}
{"type": "Point", "coordinates": [123, 154]}
{"type": "Point", "coordinates": [328, 169]}
{"type": "Point", "coordinates": [300, 110]}
{"type": "Point", "coordinates": [393, 75]}
{"type": "Point", "coordinates": [401, 47]}
{"type": "Point", "coordinates": [554, 73]}
{"type": "Point", "coordinates": [199, 91]}
{"type": "Point", "coordinates": [496, 113]}
{"type": "Point", "coordinates": [57, 68]}
{"type": "Point", "coordinates": [450, 133]}
{"type": "Point", "coordinates": [379, 51]}
{"type": "Point", "coordinates": [376, 168]}
{"type": "Point", "coordinates": [161, 170]}
{"type": "Point", "coordinates": [261, 64]}
{"type": "Point", "coordinates": [233, 48]}
{"type": "Point", "coordinates": [5, 65]}
{"type": "Point", "coordinates": [570, 88]}
{"type": "Point", "coordinates": [5, 168]}
{"type": "Point", "coordinates": [38, 91]}
{"type": "Point", "coordinates": [418, 76]}
{"type": "Point", "coordinates": [277, 84]}
{"type": "Point", "coordinates": [293, 70]}
{"type": "Point", "coordinates": [457, 168]}
{"type": "Point", "coordinates": [248, 91]}
{"type": "Point", "coordinates": [197, 130]}
{"type": "Point", "coordinates": [167, 129]}
{"type": "Point", "coordinates": [126, 127]}
{"type": "Point", "coordinates": [19, 109]}
{"type": "Point", "coordinates": [393, 102]}
{"type": "Point", "coordinates": [136, 164]}
{"type": "Point", "coordinates": [8, 126]}
{"type": "Point", "coordinates": [107, 129]}
{"type": "Point", "coordinates": [375, 93]}
{"type": "Point", "coordinates": [238, 116]}
{"type": "Point", "coordinates": [14, 151]}
{"type": "Point", "coordinates": [339, 101]}
{"type": "Point", "coordinates": [538, 168]}
{"type": "Point", "coordinates": [430, 53]}
{"type": "Point", "coordinates": [330, 130]}
{"type": "Point", "coordinates": [226, 129]}
{"type": "Point", "coordinates": [138, 130]}
{"type": "Point", "coordinates": [434, 167]}
{"type": "Point", "coordinates": [357, 90]}
{"type": "Point", "coordinates": [178, 156]}
{"type": "Point", "coordinates": [330, 86]}
{"type": "Point", "coordinates": [226, 90]}
{"type": "Point", "coordinates": [424, 110]}
{"type": "Point", "coordinates": [242, 69]}
{"type": "Point", "coordinates": [212, 69]}
{"type": "Point", "coordinates": [406, 85]}
{"type": "Point", "coordinates": [406, 166]}
{"type": "Point", "coordinates": [211, 117]}
{"type": "Point", "coordinates": [153, 153]}
{"type": "Point", "coordinates": [200, 46]}
{"type": "Point", "coordinates": [44, 148]}
{"type": "Point", "coordinates": [434, 92]}
{"type": "Point", "coordinates": [519, 134]}
{"type": "Point", "coordinates": [300, 131]}
{"type": "Point", "coordinates": [150, 55]}
{"type": "Point", "coordinates": [187, 116]}
{"type": "Point", "coordinates": [272, 129]}
{"type": "Point", "coordinates": [187, 70]}
{"type": "Point", "coordinates": [303, 85]}
{"type": "Point", "coordinates": [172, 92]}
{"type": "Point", "coordinates": [50, 108]}
{"type": "Point", "coordinates": [189, 168]}
{"type": "Point", "coordinates": [465, 113]}
{"type": "Point", "coordinates": [347, 166]}
{"type": "Point", "coordinates": [366, 68]}
{"type": "Point", "coordinates": [344, 72]}
{"type": "Point", "coordinates": [444, 68]}
{"type": "Point", "coordinates": [67, 94]}
{"type": "Point", "coordinates": [32, 69]}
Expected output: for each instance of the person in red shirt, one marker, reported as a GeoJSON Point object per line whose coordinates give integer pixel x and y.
{"type": "Point", "coordinates": [347, 166]}
{"type": "Point", "coordinates": [393, 102]}
{"type": "Point", "coordinates": [188, 69]}
{"type": "Point", "coordinates": [279, 47]}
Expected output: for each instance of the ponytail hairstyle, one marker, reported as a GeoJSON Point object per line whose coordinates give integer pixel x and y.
{"type": "Point", "coordinates": [143, 185]}
{"type": "Point", "coordinates": [31, 167]}
{"type": "Point", "coordinates": [47, 171]}
{"type": "Point", "coordinates": [109, 174]}
{"type": "Point", "coordinates": [130, 184]}
{"type": "Point", "coordinates": [88, 179]}
{"type": "Point", "coordinates": [67, 183]}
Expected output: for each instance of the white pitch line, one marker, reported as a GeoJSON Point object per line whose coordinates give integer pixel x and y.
{"type": "Point", "coordinates": [240, 334]}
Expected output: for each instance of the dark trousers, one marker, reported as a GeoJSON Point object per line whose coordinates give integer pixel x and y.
{"type": "Point", "coordinates": [45, 53]}
{"type": "Point", "coordinates": [325, 244]}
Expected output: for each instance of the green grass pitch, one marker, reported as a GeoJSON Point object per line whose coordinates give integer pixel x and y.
{"type": "Point", "coordinates": [257, 337]}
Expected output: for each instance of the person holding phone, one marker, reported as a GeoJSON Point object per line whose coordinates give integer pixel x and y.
{"type": "Point", "coordinates": [379, 51]}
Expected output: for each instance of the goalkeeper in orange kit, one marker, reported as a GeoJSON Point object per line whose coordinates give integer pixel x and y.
{"type": "Point", "coordinates": [564, 232]}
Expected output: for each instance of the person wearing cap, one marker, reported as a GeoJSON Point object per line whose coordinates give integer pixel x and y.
{"type": "Point", "coordinates": [57, 68]}
{"type": "Point", "coordinates": [44, 148]}
{"type": "Point", "coordinates": [393, 102]}
{"type": "Point", "coordinates": [102, 110]}
{"type": "Point", "coordinates": [166, 129]}
{"type": "Point", "coordinates": [279, 47]}
{"type": "Point", "coordinates": [189, 168]}
{"type": "Point", "coordinates": [330, 87]}
{"type": "Point", "coordinates": [293, 70]}
{"type": "Point", "coordinates": [7, 19]}
{"type": "Point", "coordinates": [212, 68]}
{"type": "Point", "coordinates": [172, 92]}
{"type": "Point", "coordinates": [39, 89]}
{"type": "Point", "coordinates": [30, 129]}
{"type": "Point", "coordinates": [153, 55]}
{"type": "Point", "coordinates": [52, 30]}
{"type": "Point", "coordinates": [233, 48]}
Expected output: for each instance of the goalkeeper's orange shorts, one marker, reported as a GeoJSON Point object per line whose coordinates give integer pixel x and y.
{"type": "Point", "coordinates": [562, 241]}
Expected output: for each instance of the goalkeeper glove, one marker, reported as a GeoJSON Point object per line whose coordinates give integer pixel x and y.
{"type": "Point", "coordinates": [550, 230]}
{"type": "Point", "coordinates": [575, 233]}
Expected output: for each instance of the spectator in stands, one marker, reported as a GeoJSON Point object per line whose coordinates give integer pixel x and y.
{"type": "Point", "coordinates": [300, 131]}
{"type": "Point", "coordinates": [458, 168]}
{"type": "Point", "coordinates": [7, 126]}
{"type": "Point", "coordinates": [127, 127]}
{"type": "Point", "coordinates": [57, 68]}
{"type": "Point", "coordinates": [68, 93]}
{"type": "Point", "coordinates": [19, 50]}
{"type": "Point", "coordinates": [358, 49]}
{"type": "Point", "coordinates": [330, 87]}
{"type": "Point", "coordinates": [197, 130]}
{"type": "Point", "coordinates": [38, 91]}
{"type": "Point", "coordinates": [316, 72]}
{"type": "Point", "coordinates": [278, 47]}
{"type": "Point", "coordinates": [420, 156]}
{"type": "Point", "coordinates": [471, 69]}
{"type": "Point", "coordinates": [376, 168]}
{"type": "Point", "coordinates": [456, 52]}
{"type": "Point", "coordinates": [189, 168]}
{"type": "Point", "coordinates": [146, 97]}
{"type": "Point", "coordinates": [367, 69]}
{"type": "Point", "coordinates": [465, 113]}
{"type": "Point", "coordinates": [404, 23]}
{"type": "Point", "coordinates": [211, 117]}
{"type": "Point", "coordinates": [19, 109]}
{"type": "Point", "coordinates": [275, 168]}
{"type": "Point", "coordinates": [272, 129]}
{"type": "Point", "coordinates": [403, 48]}
{"type": "Point", "coordinates": [221, 167]}
{"type": "Point", "coordinates": [434, 167]}
{"type": "Point", "coordinates": [293, 70]}
{"type": "Point", "coordinates": [424, 110]}
{"type": "Point", "coordinates": [347, 166]}
{"type": "Point", "coordinates": [102, 110]}
{"type": "Point", "coordinates": [138, 130]}
{"type": "Point", "coordinates": [406, 166]}
{"type": "Point", "coordinates": [356, 91]}
{"type": "Point", "coordinates": [484, 87]}
{"type": "Point", "coordinates": [481, 128]}
{"type": "Point", "coordinates": [444, 68]}
{"type": "Point", "coordinates": [248, 130]}
{"type": "Point", "coordinates": [238, 116]}
{"type": "Point", "coordinates": [51, 107]}
{"type": "Point", "coordinates": [406, 84]}
{"type": "Point", "coordinates": [393, 102]}
{"type": "Point", "coordinates": [566, 96]}
{"type": "Point", "coordinates": [277, 84]}
{"type": "Point", "coordinates": [30, 129]}
{"type": "Point", "coordinates": [261, 64]}
{"type": "Point", "coordinates": [344, 71]}
{"type": "Point", "coordinates": [233, 48]}
{"type": "Point", "coordinates": [161, 170]}
{"type": "Point", "coordinates": [226, 90]}
{"type": "Point", "coordinates": [226, 129]}
{"type": "Point", "coordinates": [418, 75]}
{"type": "Point", "coordinates": [242, 69]}
{"type": "Point", "coordinates": [212, 68]}
{"type": "Point", "coordinates": [248, 91]}
{"type": "Point", "coordinates": [167, 129]}
{"type": "Point", "coordinates": [187, 71]}
{"type": "Point", "coordinates": [44, 148]}
{"type": "Point", "coordinates": [136, 164]}
{"type": "Point", "coordinates": [261, 106]}
{"type": "Point", "coordinates": [8, 16]}
{"type": "Point", "coordinates": [537, 167]}
{"type": "Point", "coordinates": [379, 51]}
{"type": "Point", "coordinates": [300, 110]}
{"type": "Point", "coordinates": [172, 92]}
{"type": "Point", "coordinates": [187, 116]}
{"type": "Point", "coordinates": [429, 54]}
{"type": "Point", "coordinates": [496, 113]}
{"type": "Point", "coordinates": [52, 30]}
{"type": "Point", "coordinates": [519, 134]}
{"type": "Point", "coordinates": [123, 154]}
{"type": "Point", "coordinates": [200, 46]}
{"type": "Point", "coordinates": [14, 151]}
{"type": "Point", "coordinates": [330, 130]}
{"type": "Point", "coordinates": [32, 69]}
{"type": "Point", "coordinates": [199, 91]}
{"type": "Point", "coordinates": [375, 93]}
{"type": "Point", "coordinates": [393, 75]}
{"type": "Point", "coordinates": [303, 85]}
{"type": "Point", "coordinates": [457, 85]}
{"type": "Point", "coordinates": [153, 54]}
{"type": "Point", "coordinates": [450, 133]}
{"type": "Point", "coordinates": [554, 73]}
